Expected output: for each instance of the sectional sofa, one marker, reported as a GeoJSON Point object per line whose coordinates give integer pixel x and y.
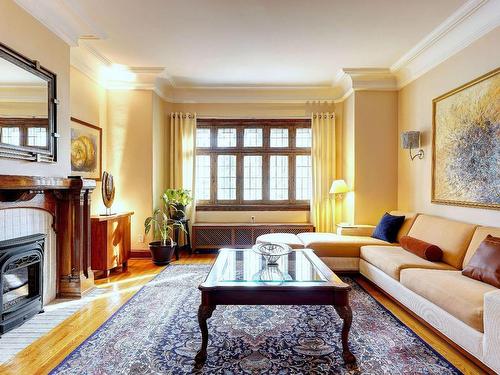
{"type": "Point", "coordinates": [465, 310]}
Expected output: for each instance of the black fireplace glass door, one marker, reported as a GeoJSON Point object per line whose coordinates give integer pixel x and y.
{"type": "Point", "coordinates": [15, 285]}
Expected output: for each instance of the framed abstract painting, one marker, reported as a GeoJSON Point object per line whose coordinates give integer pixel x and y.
{"type": "Point", "coordinates": [86, 150]}
{"type": "Point", "coordinates": [466, 144]}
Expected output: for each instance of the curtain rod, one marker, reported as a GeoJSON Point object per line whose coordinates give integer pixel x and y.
{"type": "Point", "coordinates": [254, 117]}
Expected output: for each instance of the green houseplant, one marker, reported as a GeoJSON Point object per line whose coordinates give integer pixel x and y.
{"type": "Point", "coordinates": [163, 246]}
{"type": "Point", "coordinates": [177, 200]}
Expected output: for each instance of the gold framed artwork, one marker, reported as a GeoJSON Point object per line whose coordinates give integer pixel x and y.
{"type": "Point", "coordinates": [466, 144]}
{"type": "Point", "coordinates": [86, 149]}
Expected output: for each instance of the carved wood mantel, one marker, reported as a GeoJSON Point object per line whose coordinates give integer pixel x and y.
{"type": "Point", "coordinates": [68, 201]}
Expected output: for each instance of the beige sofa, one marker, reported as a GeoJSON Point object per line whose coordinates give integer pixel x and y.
{"type": "Point", "coordinates": [465, 310]}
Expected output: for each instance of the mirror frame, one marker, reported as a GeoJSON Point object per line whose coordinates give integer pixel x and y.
{"type": "Point", "coordinates": [29, 153]}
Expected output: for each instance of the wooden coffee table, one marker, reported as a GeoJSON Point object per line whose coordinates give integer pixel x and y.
{"type": "Point", "coordinates": [240, 277]}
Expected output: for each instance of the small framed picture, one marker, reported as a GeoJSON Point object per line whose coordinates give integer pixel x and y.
{"type": "Point", "coordinates": [86, 149]}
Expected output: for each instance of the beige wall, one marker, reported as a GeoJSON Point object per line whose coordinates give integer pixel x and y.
{"type": "Point", "coordinates": [130, 155]}
{"type": "Point", "coordinates": [89, 103]}
{"type": "Point", "coordinates": [159, 161]}
{"type": "Point", "coordinates": [376, 155]}
{"type": "Point", "coordinates": [348, 158]}
{"type": "Point", "coordinates": [415, 113]}
{"type": "Point", "coordinates": [23, 33]}
{"type": "Point", "coordinates": [369, 155]}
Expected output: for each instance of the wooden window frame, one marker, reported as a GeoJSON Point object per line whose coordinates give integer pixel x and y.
{"type": "Point", "coordinates": [24, 124]}
{"type": "Point", "coordinates": [265, 204]}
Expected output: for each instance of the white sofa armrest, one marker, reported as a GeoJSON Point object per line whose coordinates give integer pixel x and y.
{"type": "Point", "coordinates": [491, 337]}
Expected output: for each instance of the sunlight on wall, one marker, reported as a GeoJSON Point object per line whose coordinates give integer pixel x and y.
{"type": "Point", "coordinates": [116, 75]}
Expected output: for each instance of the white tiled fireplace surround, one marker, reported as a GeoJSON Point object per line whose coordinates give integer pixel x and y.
{"type": "Point", "coordinates": [18, 222]}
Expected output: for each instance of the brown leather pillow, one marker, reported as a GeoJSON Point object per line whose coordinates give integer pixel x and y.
{"type": "Point", "coordinates": [485, 263]}
{"type": "Point", "coordinates": [421, 248]}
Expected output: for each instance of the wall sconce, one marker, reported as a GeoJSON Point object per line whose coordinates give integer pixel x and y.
{"type": "Point", "coordinates": [339, 188]}
{"type": "Point", "coordinates": [411, 140]}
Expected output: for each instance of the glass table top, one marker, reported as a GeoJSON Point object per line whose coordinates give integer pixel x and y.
{"type": "Point", "coordinates": [246, 266]}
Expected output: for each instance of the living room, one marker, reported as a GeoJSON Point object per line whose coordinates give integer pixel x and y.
{"type": "Point", "coordinates": [254, 187]}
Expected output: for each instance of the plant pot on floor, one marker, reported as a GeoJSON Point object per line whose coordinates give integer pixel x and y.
{"type": "Point", "coordinates": [161, 254]}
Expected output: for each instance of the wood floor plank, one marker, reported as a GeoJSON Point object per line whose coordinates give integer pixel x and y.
{"type": "Point", "coordinates": [47, 352]}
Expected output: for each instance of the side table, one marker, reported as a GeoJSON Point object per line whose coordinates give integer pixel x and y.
{"type": "Point", "coordinates": [110, 242]}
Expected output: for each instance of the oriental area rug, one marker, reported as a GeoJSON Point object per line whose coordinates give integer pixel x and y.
{"type": "Point", "coordinates": [156, 332]}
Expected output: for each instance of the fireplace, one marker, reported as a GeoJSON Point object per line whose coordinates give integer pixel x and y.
{"type": "Point", "coordinates": [21, 280]}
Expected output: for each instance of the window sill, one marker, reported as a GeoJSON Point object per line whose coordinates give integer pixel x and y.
{"type": "Point", "coordinates": [253, 207]}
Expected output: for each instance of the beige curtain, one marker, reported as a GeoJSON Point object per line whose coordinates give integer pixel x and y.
{"type": "Point", "coordinates": [181, 135]}
{"type": "Point", "coordinates": [323, 171]}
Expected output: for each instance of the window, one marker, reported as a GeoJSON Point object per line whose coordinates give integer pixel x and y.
{"type": "Point", "coordinates": [252, 178]}
{"type": "Point", "coordinates": [226, 177]}
{"type": "Point", "coordinates": [203, 177]}
{"type": "Point", "coordinates": [202, 138]}
{"type": "Point", "coordinates": [37, 137]}
{"type": "Point", "coordinates": [253, 164]}
{"type": "Point", "coordinates": [278, 177]}
{"type": "Point", "coordinates": [11, 136]}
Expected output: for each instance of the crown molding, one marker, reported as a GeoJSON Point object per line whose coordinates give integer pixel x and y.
{"type": "Point", "coordinates": [350, 80]}
{"type": "Point", "coordinates": [247, 94]}
{"type": "Point", "coordinates": [64, 18]}
{"type": "Point", "coordinates": [470, 22]}
{"type": "Point", "coordinates": [93, 64]}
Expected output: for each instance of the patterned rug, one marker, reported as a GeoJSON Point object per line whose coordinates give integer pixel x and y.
{"type": "Point", "coordinates": [156, 332]}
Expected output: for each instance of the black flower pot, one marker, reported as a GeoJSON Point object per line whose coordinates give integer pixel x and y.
{"type": "Point", "coordinates": [161, 254]}
{"type": "Point", "coordinates": [179, 212]}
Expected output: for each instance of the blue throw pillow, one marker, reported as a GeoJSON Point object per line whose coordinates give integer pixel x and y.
{"type": "Point", "coordinates": [388, 227]}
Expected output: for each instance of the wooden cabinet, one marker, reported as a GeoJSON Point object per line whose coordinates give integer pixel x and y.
{"type": "Point", "coordinates": [239, 235]}
{"type": "Point", "coordinates": [110, 242]}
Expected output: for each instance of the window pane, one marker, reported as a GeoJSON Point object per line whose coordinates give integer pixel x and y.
{"type": "Point", "coordinates": [202, 177]}
{"type": "Point", "coordinates": [202, 137]}
{"type": "Point", "coordinates": [303, 137]}
{"type": "Point", "coordinates": [303, 177]}
{"type": "Point", "coordinates": [226, 177]}
{"type": "Point", "coordinates": [279, 138]}
{"type": "Point", "coordinates": [11, 136]}
{"type": "Point", "coordinates": [37, 137]}
{"type": "Point", "coordinates": [278, 177]}
{"type": "Point", "coordinates": [252, 180]}
{"type": "Point", "coordinates": [252, 138]}
{"type": "Point", "coordinates": [226, 137]}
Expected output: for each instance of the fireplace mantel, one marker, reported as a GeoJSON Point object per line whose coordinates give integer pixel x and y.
{"type": "Point", "coordinates": [68, 201]}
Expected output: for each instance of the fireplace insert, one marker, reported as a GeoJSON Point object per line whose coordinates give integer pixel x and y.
{"type": "Point", "coordinates": [21, 280]}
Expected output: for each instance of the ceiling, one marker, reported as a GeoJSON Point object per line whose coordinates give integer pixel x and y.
{"type": "Point", "coordinates": [240, 43]}
{"type": "Point", "coordinates": [12, 75]}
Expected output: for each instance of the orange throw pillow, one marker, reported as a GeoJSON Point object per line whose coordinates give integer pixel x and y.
{"type": "Point", "coordinates": [421, 248]}
{"type": "Point", "coordinates": [485, 263]}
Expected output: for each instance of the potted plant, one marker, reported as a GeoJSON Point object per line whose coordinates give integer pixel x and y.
{"type": "Point", "coordinates": [177, 200]}
{"type": "Point", "coordinates": [163, 246]}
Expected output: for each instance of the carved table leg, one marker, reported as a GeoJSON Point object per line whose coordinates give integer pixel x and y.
{"type": "Point", "coordinates": [204, 312]}
{"type": "Point", "coordinates": [345, 314]}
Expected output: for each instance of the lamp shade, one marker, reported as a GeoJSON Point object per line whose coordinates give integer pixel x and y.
{"type": "Point", "coordinates": [338, 187]}
{"type": "Point", "coordinates": [410, 139]}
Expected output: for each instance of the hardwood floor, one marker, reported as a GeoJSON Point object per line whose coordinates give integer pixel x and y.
{"type": "Point", "coordinates": [44, 354]}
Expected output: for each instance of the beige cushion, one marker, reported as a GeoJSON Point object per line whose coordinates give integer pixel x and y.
{"type": "Point", "coordinates": [451, 236]}
{"type": "Point", "coordinates": [287, 238]}
{"type": "Point", "coordinates": [409, 219]}
{"type": "Point", "coordinates": [393, 259]}
{"type": "Point", "coordinates": [458, 295]}
{"type": "Point", "coordinates": [479, 235]}
{"type": "Point", "coordinates": [333, 245]}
